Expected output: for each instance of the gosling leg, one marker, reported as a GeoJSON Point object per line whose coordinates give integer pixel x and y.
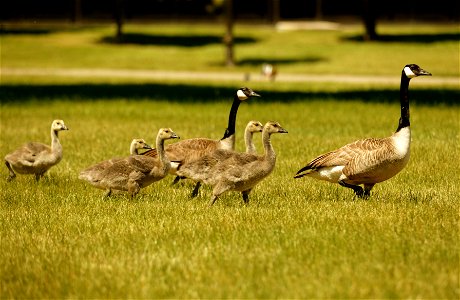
{"type": "Point", "coordinates": [12, 175]}
{"type": "Point", "coordinates": [196, 189]}
{"type": "Point", "coordinates": [38, 176]}
{"type": "Point", "coordinates": [245, 195]}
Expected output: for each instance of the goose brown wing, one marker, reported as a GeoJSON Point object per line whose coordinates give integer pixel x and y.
{"type": "Point", "coordinates": [151, 153]}
{"type": "Point", "coordinates": [347, 153]}
{"type": "Point", "coordinates": [185, 149]}
{"type": "Point", "coordinates": [370, 154]}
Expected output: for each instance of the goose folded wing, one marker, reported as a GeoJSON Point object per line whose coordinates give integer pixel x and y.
{"type": "Point", "coordinates": [347, 153]}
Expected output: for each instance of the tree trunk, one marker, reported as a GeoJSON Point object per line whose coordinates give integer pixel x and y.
{"type": "Point", "coordinates": [319, 10]}
{"type": "Point", "coordinates": [119, 19]}
{"type": "Point", "coordinates": [275, 11]}
{"type": "Point", "coordinates": [228, 38]}
{"type": "Point", "coordinates": [76, 16]}
{"type": "Point", "coordinates": [370, 20]}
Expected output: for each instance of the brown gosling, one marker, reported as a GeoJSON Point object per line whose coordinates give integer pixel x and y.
{"type": "Point", "coordinates": [251, 128]}
{"type": "Point", "coordinates": [134, 172]}
{"type": "Point", "coordinates": [36, 158]}
{"type": "Point", "coordinates": [228, 170]}
{"type": "Point", "coordinates": [135, 146]}
{"type": "Point", "coordinates": [191, 149]}
{"type": "Point", "coordinates": [138, 144]}
{"type": "Point", "coordinates": [373, 160]}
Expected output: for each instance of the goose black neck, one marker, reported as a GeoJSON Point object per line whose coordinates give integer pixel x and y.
{"type": "Point", "coordinates": [232, 118]}
{"type": "Point", "coordinates": [404, 98]}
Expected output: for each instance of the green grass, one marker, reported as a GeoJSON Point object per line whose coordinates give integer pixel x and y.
{"type": "Point", "coordinates": [198, 47]}
{"type": "Point", "coordinates": [297, 238]}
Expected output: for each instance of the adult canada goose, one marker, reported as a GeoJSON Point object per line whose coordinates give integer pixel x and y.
{"type": "Point", "coordinates": [188, 150]}
{"type": "Point", "coordinates": [369, 161]}
{"type": "Point", "coordinates": [36, 158]}
{"type": "Point", "coordinates": [251, 128]}
{"type": "Point", "coordinates": [134, 172]}
{"type": "Point", "coordinates": [227, 170]}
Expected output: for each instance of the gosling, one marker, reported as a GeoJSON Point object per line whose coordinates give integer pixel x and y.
{"type": "Point", "coordinates": [134, 172]}
{"type": "Point", "coordinates": [36, 158]}
{"type": "Point", "coordinates": [227, 170]}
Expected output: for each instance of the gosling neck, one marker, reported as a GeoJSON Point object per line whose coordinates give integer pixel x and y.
{"type": "Point", "coordinates": [133, 150]}
{"type": "Point", "coordinates": [56, 146]}
{"type": "Point", "coordinates": [164, 161]}
{"type": "Point", "coordinates": [268, 148]}
{"type": "Point", "coordinates": [250, 147]}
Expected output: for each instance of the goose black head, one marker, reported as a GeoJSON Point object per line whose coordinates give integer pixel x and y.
{"type": "Point", "coordinates": [413, 70]}
{"type": "Point", "coordinates": [245, 93]}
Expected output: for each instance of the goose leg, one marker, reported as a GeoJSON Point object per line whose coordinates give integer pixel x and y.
{"type": "Point", "coordinates": [367, 189]}
{"type": "Point", "coordinates": [12, 174]}
{"type": "Point", "coordinates": [195, 190]}
{"type": "Point", "coordinates": [356, 188]}
{"type": "Point", "coordinates": [246, 196]}
{"type": "Point", "coordinates": [177, 179]}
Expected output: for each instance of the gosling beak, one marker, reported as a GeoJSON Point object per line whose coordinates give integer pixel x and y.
{"type": "Point", "coordinates": [147, 147]}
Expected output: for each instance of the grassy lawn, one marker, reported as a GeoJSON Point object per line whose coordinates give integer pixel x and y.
{"type": "Point", "coordinates": [297, 238]}
{"type": "Point", "coordinates": [198, 47]}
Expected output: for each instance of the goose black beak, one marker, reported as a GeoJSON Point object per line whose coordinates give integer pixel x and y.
{"type": "Point", "coordinates": [254, 94]}
{"type": "Point", "coordinates": [424, 72]}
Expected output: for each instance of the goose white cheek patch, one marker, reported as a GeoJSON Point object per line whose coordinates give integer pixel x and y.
{"type": "Point", "coordinates": [409, 72]}
{"type": "Point", "coordinates": [241, 95]}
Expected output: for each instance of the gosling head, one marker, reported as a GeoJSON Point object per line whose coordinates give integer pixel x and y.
{"type": "Point", "coordinates": [274, 127]}
{"type": "Point", "coordinates": [58, 125]}
{"type": "Point", "coordinates": [254, 126]}
{"type": "Point", "coordinates": [167, 133]}
{"type": "Point", "coordinates": [139, 144]}
{"type": "Point", "coordinates": [245, 93]}
{"type": "Point", "coordinates": [413, 70]}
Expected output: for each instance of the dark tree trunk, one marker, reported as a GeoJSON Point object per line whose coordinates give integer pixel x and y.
{"type": "Point", "coordinates": [319, 10]}
{"type": "Point", "coordinates": [370, 20]}
{"type": "Point", "coordinates": [76, 17]}
{"type": "Point", "coordinates": [228, 38]}
{"type": "Point", "coordinates": [119, 19]}
{"type": "Point", "coordinates": [274, 11]}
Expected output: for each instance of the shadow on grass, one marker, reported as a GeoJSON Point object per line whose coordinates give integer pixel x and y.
{"type": "Point", "coordinates": [18, 94]}
{"type": "Point", "coordinates": [171, 40]}
{"type": "Point", "coordinates": [410, 38]}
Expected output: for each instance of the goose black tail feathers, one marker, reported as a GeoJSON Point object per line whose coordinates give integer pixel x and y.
{"type": "Point", "coordinates": [306, 169]}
